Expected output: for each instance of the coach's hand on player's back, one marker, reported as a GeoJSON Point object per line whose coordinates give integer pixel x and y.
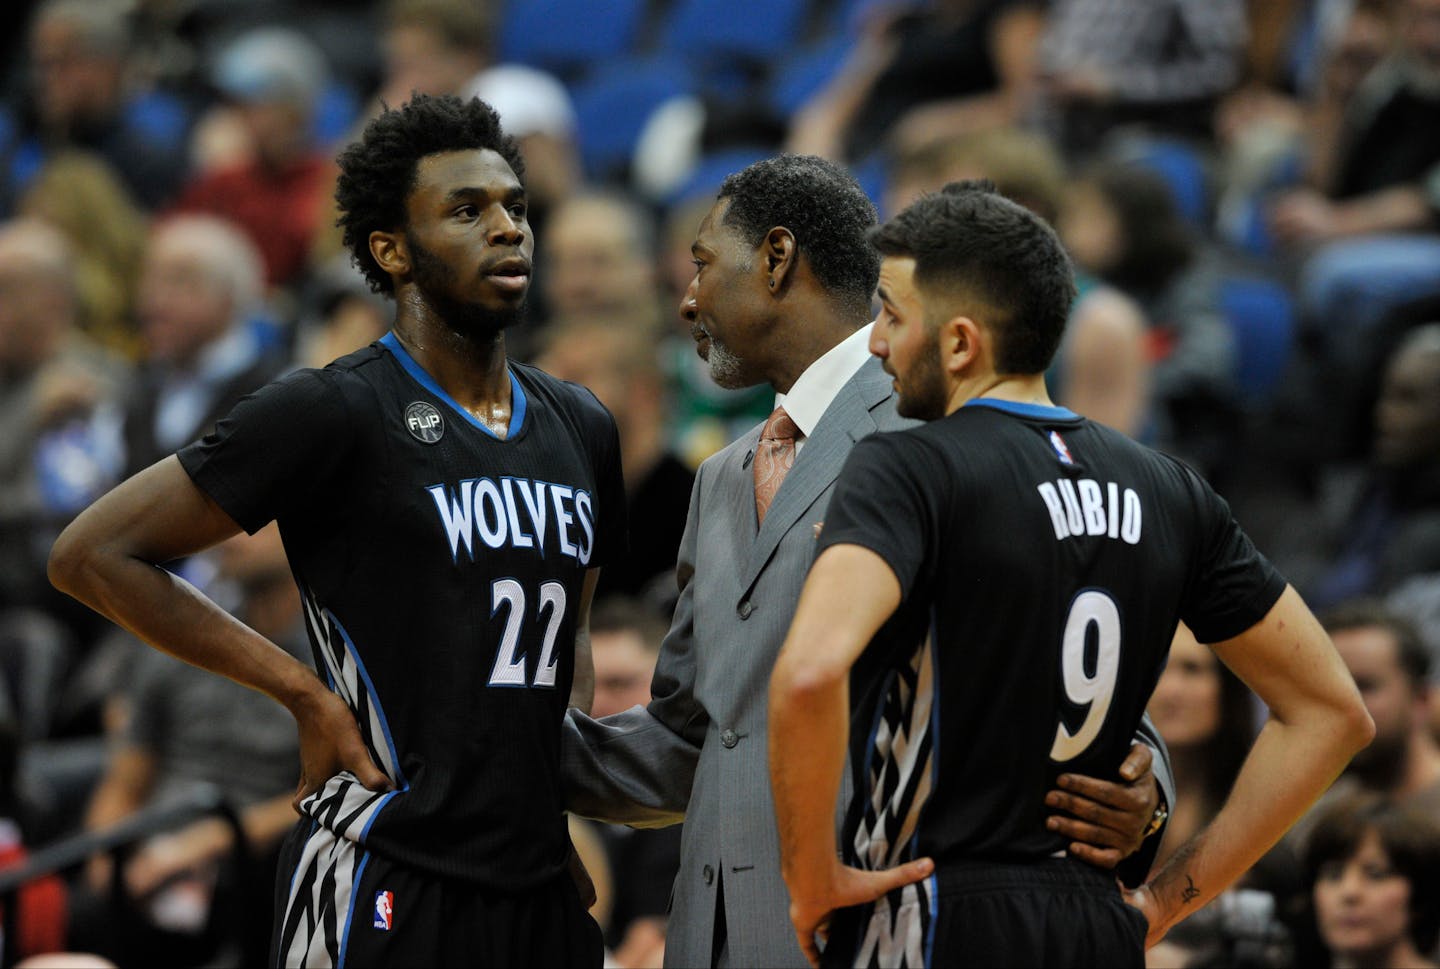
{"type": "Point", "coordinates": [810, 912]}
{"type": "Point", "coordinates": [330, 742]}
{"type": "Point", "coordinates": [1106, 821]}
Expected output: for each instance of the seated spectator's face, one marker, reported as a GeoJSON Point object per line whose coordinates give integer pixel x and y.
{"type": "Point", "coordinates": [623, 670]}
{"type": "Point", "coordinates": [71, 82]}
{"type": "Point", "coordinates": [1186, 703]}
{"type": "Point", "coordinates": [182, 305]}
{"type": "Point", "coordinates": [595, 268]}
{"type": "Point", "coordinates": [1362, 904]}
{"type": "Point", "coordinates": [1407, 415]}
{"type": "Point", "coordinates": [1090, 228]}
{"type": "Point", "coordinates": [36, 306]}
{"type": "Point", "coordinates": [1373, 658]}
{"type": "Point", "coordinates": [1420, 28]}
{"type": "Point", "coordinates": [420, 60]}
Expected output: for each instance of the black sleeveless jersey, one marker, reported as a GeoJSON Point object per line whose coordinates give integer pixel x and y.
{"type": "Point", "coordinates": [1044, 561]}
{"type": "Point", "coordinates": [441, 569]}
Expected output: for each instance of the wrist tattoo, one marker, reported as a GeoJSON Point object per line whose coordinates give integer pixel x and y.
{"type": "Point", "coordinates": [1191, 892]}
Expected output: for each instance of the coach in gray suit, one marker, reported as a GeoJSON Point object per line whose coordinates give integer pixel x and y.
{"type": "Point", "coordinates": [781, 295]}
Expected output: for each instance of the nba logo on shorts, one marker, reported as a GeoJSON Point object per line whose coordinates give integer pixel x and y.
{"type": "Point", "coordinates": [384, 910]}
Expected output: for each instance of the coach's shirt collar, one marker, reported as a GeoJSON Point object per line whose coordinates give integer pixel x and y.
{"type": "Point", "coordinates": [813, 392]}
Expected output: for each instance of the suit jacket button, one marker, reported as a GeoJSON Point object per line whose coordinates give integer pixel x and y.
{"type": "Point", "coordinates": [708, 874]}
{"type": "Point", "coordinates": [729, 738]}
{"type": "Point", "coordinates": [746, 608]}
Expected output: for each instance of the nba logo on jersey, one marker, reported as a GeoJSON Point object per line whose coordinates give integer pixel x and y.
{"type": "Point", "coordinates": [384, 910]}
{"type": "Point", "coordinates": [1061, 451]}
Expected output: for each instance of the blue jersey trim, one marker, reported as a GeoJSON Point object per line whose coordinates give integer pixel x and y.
{"type": "Point", "coordinates": [374, 701]}
{"type": "Point", "coordinates": [1024, 410]}
{"type": "Point", "coordinates": [517, 393]}
{"type": "Point", "coordinates": [350, 915]}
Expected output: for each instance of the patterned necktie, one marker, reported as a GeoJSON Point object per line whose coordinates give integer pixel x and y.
{"type": "Point", "coordinates": [773, 457]}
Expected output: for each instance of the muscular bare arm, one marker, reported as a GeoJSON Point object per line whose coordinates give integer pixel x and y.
{"type": "Point", "coordinates": [1317, 723]}
{"type": "Point", "coordinates": [109, 558]}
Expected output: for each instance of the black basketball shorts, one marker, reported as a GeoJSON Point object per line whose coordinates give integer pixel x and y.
{"type": "Point", "coordinates": [1053, 913]}
{"type": "Point", "coordinates": [338, 905]}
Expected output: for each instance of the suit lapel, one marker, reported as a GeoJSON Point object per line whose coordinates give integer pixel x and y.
{"type": "Point", "coordinates": [846, 420]}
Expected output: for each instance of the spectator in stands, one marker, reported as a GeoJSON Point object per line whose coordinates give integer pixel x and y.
{"type": "Point", "coordinates": [60, 395]}
{"type": "Point", "coordinates": [625, 637]}
{"type": "Point", "coordinates": [432, 47]}
{"type": "Point", "coordinates": [202, 281]}
{"type": "Point", "coordinates": [1377, 212]}
{"type": "Point", "coordinates": [620, 364]}
{"type": "Point", "coordinates": [1121, 225]}
{"type": "Point", "coordinates": [924, 70]}
{"type": "Point", "coordinates": [1391, 667]}
{"type": "Point", "coordinates": [1101, 369]}
{"type": "Point", "coordinates": [1373, 869]}
{"type": "Point", "coordinates": [599, 263]}
{"type": "Point", "coordinates": [279, 191]}
{"type": "Point", "coordinates": [1161, 65]}
{"type": "Point", "coordinates": [187, 729]}
{"type": "Point", "coordinates": [1375, 527]}
{"type": "Point", "coordinates": [85, 96]}
{"type": "Point", "coordinates": [80, 195]}
{"type": "Point", "coordinates": [1206, 717]}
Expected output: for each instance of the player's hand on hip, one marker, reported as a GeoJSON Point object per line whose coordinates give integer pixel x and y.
{"type": "Point", "coordinates": [848, 886]}
{"type": "Point", "coordinates": [1106, 820]}
{"type": "Point", "coordinates": [330, 742]}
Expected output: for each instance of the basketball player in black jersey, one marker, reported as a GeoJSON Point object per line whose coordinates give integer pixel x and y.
{"type": "Point", "coordinates": [445, 512]}
{"type": "Point", "coordinates": [1040, 562]}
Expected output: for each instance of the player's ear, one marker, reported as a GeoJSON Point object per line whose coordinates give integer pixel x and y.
{"type": "Point", "coordinates": [959, 343]}
{"type": "Point", "coordinates": [389, 251]}
{"type": "Point", "coordinates": [780, 253]}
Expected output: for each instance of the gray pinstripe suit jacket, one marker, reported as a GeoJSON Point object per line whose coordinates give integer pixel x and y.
{"type": "Point", "coordinates": [698, 752]}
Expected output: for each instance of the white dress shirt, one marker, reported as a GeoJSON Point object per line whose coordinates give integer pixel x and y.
{"type": "Point", "coordinates": [812, 393]}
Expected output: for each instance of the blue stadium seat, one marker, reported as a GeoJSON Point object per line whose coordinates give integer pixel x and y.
{"type": "Point", "coordinates": [612, 106]}
{"type": "Point", "coordinates": [801, 75]}
{"type": "Point", "coordinates": [1261, 315]}
{"type": "Point", "coordinates": [721, 30]}
{"type": "Point", "coordinates": [564, 36]}
{"type": "Point", "coordinates": [1182, 168]}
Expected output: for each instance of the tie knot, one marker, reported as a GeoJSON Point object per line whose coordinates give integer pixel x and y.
{"type": "Point", "coordinates": [779, 427]}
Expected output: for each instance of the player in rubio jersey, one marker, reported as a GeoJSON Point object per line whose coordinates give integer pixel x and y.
{"type": "Point", "coordinates": [445, 512]}
{"type": "Point", "coordinates": [992, 603]}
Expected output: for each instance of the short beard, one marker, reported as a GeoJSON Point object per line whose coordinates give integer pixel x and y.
{"type": "Point", "coordinates": [726, 369]}
{"type": "Point", "coordinates": [477, 324]}
{"type": "Point", "coordinates": [922, 393]}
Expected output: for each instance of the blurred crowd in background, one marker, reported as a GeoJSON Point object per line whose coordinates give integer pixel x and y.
{"type": "Point", "coordinates": [1250, 192]}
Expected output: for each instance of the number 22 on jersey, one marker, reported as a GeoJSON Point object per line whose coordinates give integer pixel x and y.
{"type": "Point", "coordinates": [509, 669]}
{"type": "Point", "coordinates": [1090, 608]}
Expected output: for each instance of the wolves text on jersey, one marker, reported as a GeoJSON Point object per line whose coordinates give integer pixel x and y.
{"type": "Point", "coordinates": [1085, 507]}
{"type": "Point", "coordinates": [518, 512]}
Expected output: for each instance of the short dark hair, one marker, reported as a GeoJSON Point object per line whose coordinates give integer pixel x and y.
{"type": "Point", "coordinates": [969, 237]}
{"type": "Point", "coordinates": [1410, 650]}
{"type": "Point", "coordinates": [822, 205]}
{"type": "Point", "coordinates": [1157, 243]}
{"type": "Point", "coordinates": [621, 614]}
{"type": "Point", "coordinates": [1410, 838]}
{"type": "Point", "coordinates": [377, 173]}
